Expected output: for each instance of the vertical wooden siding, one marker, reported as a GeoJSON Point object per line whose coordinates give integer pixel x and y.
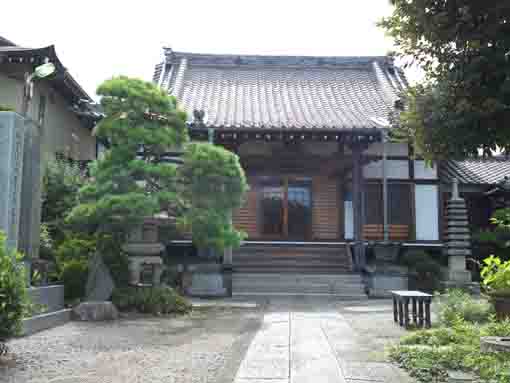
{"type": "Point", "coordinates": [245, 218]}
{"type": "Point", "coordinates": [325, 209]}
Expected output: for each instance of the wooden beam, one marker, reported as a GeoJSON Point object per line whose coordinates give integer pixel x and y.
{"type": "Point", "coordinates": [357, 200]}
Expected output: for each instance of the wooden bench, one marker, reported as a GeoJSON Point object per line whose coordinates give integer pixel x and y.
{"type": "Point", "coordinates": [420, 308]}
{"type": "Point", "coordinates": [376, 232]}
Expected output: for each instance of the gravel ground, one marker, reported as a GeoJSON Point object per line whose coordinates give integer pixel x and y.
{"type": "Point", "coordinates": [206, 346]}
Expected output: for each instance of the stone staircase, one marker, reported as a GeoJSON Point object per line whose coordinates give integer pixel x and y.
{"type": "Point", "coordinates": [294, 271]}
{"type": "Point", "coordinates": [254, 258]}
{"type": "Point", "coordinates": [345, 286]}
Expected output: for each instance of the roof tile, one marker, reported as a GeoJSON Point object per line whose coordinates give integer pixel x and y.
{"type": "Point", "coordinates": [284, 92]}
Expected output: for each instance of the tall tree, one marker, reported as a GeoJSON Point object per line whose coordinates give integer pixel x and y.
{"type": "Point", "coordinates": [134, 179]}
{"type": "Point", "coordinates": [463, 46]}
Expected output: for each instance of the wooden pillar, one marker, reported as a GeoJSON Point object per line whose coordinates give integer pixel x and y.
{"type": "Point", "coordinates": [357, 202]}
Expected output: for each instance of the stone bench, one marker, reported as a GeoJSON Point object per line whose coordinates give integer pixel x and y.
{"type": "Point", "coordinates": [420, 308]}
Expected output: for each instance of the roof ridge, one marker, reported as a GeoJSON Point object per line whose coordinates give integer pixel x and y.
{"type": "Point", "coordinates": [298, 60]}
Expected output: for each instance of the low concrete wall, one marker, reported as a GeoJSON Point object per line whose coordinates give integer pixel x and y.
{"type": "Point", "coordinates": [45, 321]}
{"type": "Point", "coordinates": [380, 285]}
{"type": "Point", "coordinates": [50, 296]}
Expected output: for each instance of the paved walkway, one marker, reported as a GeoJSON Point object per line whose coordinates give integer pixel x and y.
{"type": "Point", "coordinates": [314, 341]}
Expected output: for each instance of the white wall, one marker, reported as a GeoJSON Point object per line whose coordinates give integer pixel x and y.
{"type": "Point", "coordinates": [395, 169]}
{"type": "Point", "coordinates": [427, 212]}
{"type": "Point", "coordinates": [423, 171]}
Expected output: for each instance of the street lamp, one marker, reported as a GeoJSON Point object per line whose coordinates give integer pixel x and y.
{"type": "Point", "coordinates": [29, 224]}
{"type": "Point", "coordinates": [40, 72]}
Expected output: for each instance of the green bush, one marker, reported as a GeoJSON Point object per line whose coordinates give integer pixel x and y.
{"type": "Point", "coordinates": [457, 303]}
{"type": "Point", "coordinates": [74, 275]}
{"type": "Point", "coordinates": [72, 261]}
{"type": "Point", "coordinates": [428, 354]}
{"type": "Point", "coordinates": [424, 269]}
{"type": "Point", "coordinates": [7, 108]}
{"type": "Point", "coordinates": [115, 259]}
{"type": "Point", "coordinates": [156, 300]}
{"type": "Point", "coordinates": [13, 293]}
{"type": "Point", "coordinates": [496, 276]}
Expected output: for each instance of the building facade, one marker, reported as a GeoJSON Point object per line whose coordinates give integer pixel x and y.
{"type": "Point", "coordinates": [310, 133]}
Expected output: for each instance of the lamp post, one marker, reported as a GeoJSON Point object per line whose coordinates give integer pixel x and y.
{"type": "Point", "coordinates": [40, 72]}
{"type": "Point", "coordinates": [30, 214]}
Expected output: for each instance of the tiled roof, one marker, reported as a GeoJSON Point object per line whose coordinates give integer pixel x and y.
{"type": "Point", "coordinates": [476, 171]}
{"type": "Point", "coordinates": [282, 92]}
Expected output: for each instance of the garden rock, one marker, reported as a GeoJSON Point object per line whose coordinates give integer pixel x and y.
{"type": "Point", "coordinates": [95, 311]}
{"type": "Point", "coordinates": [495, 344]}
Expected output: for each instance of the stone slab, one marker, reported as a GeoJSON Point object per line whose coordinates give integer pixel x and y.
{"type": "Point", "coordinates": [207, 284]}
{"type": "Point", "coordinates": [51, 297]}
{"type": "Point", "coordinates": [368, 371]}
{"type": "Point", "coordinates": [12, 134]}
{"type": "Point", "coordinates": [268, 355]}
{"type": "Point", "coordinates": [222, 303]}
{"type": "Point", "coordinates": [311, 356]}
{"type": "Point", "coordinates": [95, 311]}
{"type": "Point", "coordinates": [45, 321]}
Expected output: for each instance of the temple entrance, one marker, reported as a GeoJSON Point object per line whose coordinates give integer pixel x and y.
{"type": "Point", "coordinates": [286, 207]}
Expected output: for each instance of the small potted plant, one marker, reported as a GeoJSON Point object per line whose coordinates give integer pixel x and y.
{"type": "Point", "coordinates": [496, 279]}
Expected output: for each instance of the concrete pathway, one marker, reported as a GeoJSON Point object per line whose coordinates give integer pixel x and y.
{"type": "Point", "coordinates": [312, 341]}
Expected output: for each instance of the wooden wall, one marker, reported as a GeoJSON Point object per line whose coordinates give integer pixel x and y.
{"type": "Point", "coordinates": [327, 211]}
{"type": "Point", "coordinates": [325, 208]}
{"type": "Point", "coordinates": [246, 217]}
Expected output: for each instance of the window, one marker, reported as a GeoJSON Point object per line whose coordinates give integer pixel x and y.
{"type": "Point", "coordinates": [373, 204]}
{"type": "Point", "coordinates": [400, 209]}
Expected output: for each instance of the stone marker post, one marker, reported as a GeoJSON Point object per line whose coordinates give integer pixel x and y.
{"type": "Point", "coordinates": [458, 242]}
{"type": "Point", "coordinates": [12, 132]}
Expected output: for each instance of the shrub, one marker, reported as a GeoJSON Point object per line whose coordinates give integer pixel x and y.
{"type": "Point", "coordinates": [72, 261]}
{"type": "Point", "coordinates": [457, 303]}
{"type": "Point", "coordinates": [424, 268]}
{"type": "Point", "coordinates": [496, 276]}
{"type": "Point", "coordinates": [114, 258]}
{"type": "Point", "coordinates": [7, 108]}
{"type": "Point", "coordinates": [74, 274]}
{"type": "Point", "coordinates": [13, 293]}
{"type": "Point", "coordinates": [429, 354]}
{"type": "Point", "coordinates": [156, 300]}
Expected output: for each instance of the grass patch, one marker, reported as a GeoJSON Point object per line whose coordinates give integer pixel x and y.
{"type": "Point", "coordinates": [428, 354]}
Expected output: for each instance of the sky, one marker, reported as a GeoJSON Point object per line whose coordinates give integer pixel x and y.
{"type": "Point", "coordinates": [98, 39]}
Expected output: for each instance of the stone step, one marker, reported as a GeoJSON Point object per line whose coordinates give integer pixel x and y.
{"type": "Point", "coordinates": [275, 284]}
{"type": "Point", "coordinates": [271, 269]}
{"type": "Point", "coordinates": [327, 277]}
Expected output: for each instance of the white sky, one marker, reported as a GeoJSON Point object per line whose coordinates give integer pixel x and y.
{"type": "Point", "coordinates": [99, 39]}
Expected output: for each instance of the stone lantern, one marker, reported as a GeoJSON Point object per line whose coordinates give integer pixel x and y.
{"type": "Point", "coordinates": [458, 241]}
{"type": "Point", "coordinates": [144, 248]}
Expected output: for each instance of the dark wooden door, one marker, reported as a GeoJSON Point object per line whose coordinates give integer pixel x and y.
{"type": "Point", "coordinates": [286, 208]}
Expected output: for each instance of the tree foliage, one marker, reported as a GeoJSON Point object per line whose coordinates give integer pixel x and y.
{"type": "Point", "coordinates": [61, 182]}
{"type": "Point", "coordinates": [13, 292]}
{"type": "Point", "coordinates": [134, 179]}
{"type": "Point", "coordinates": [215, 185]}
{"type": "Point", "coordinates": [463, 47]}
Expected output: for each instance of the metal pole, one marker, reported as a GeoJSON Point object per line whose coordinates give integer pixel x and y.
{"type": "Point", "coordinates": [385, 188]}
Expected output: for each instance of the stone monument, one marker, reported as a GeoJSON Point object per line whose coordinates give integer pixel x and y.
{"type": "Point", "coordinates": [12, 132]}
{"type": "Point", "coordinates": [458, 241]}
{"type": "Point", "coordinates": [100, 284]}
